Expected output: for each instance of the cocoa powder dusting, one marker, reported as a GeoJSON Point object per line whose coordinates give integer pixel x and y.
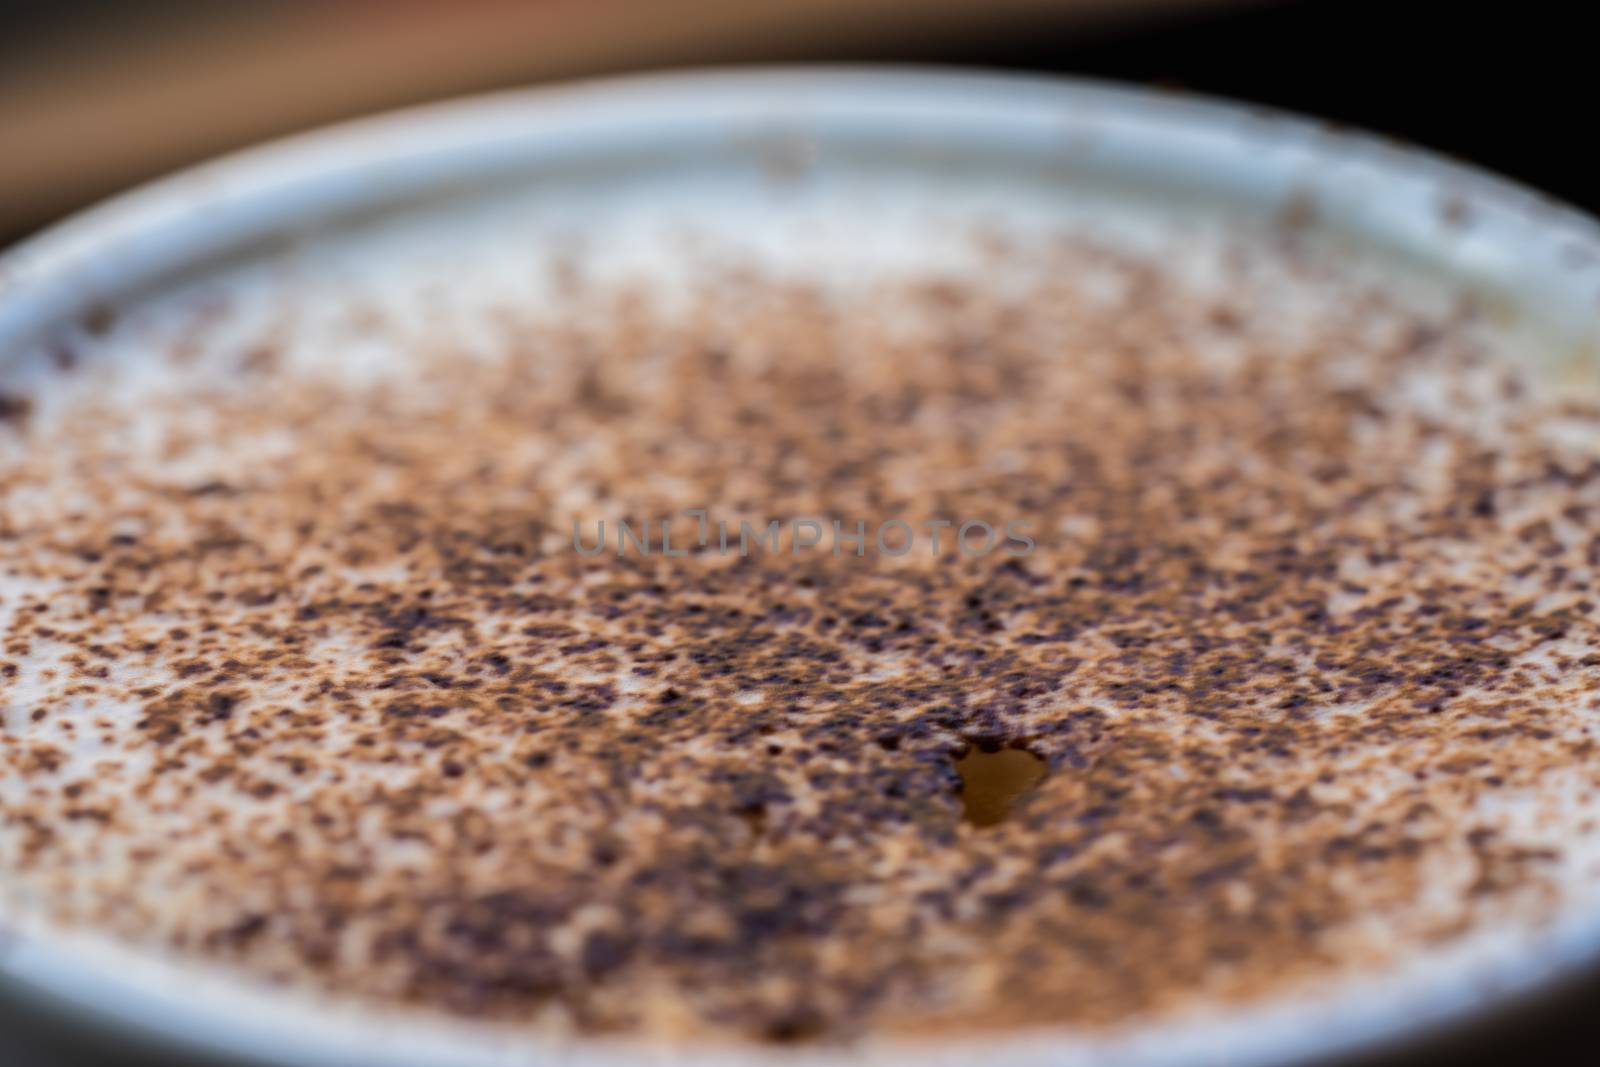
{"type": "Point", "coordinates": [312, 682]}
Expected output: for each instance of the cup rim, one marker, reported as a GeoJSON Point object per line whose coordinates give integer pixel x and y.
{"type": "Point", "coordinates": [1480, 228]}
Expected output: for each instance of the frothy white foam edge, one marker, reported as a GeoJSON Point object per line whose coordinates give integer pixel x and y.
{"type": "Point", "coordinates": [215, 1009]}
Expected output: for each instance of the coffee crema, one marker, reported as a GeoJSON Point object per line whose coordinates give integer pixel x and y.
{"type": "Point", "coordinates": [301, 674]}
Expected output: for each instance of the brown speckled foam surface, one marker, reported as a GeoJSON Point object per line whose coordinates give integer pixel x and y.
{"type": "Point", "coordinates": [302, 676]}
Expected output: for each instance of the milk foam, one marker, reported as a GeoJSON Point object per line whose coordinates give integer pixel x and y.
{"type": "Point", "coordinates": [368, 307]}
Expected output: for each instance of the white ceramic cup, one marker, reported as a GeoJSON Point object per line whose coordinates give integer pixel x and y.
{"type": "Point", "coordinates": [1537, 261]}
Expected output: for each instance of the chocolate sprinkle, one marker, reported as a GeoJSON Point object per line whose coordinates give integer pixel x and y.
{"type": "Point", "coordinates": [313, 683]}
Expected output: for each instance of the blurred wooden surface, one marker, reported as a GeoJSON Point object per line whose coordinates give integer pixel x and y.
{"type": "Point", "coordinates": [101, 97]}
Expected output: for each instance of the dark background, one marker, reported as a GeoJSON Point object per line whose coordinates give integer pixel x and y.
{"type": "Point", "coordinates": [1511, 88]}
